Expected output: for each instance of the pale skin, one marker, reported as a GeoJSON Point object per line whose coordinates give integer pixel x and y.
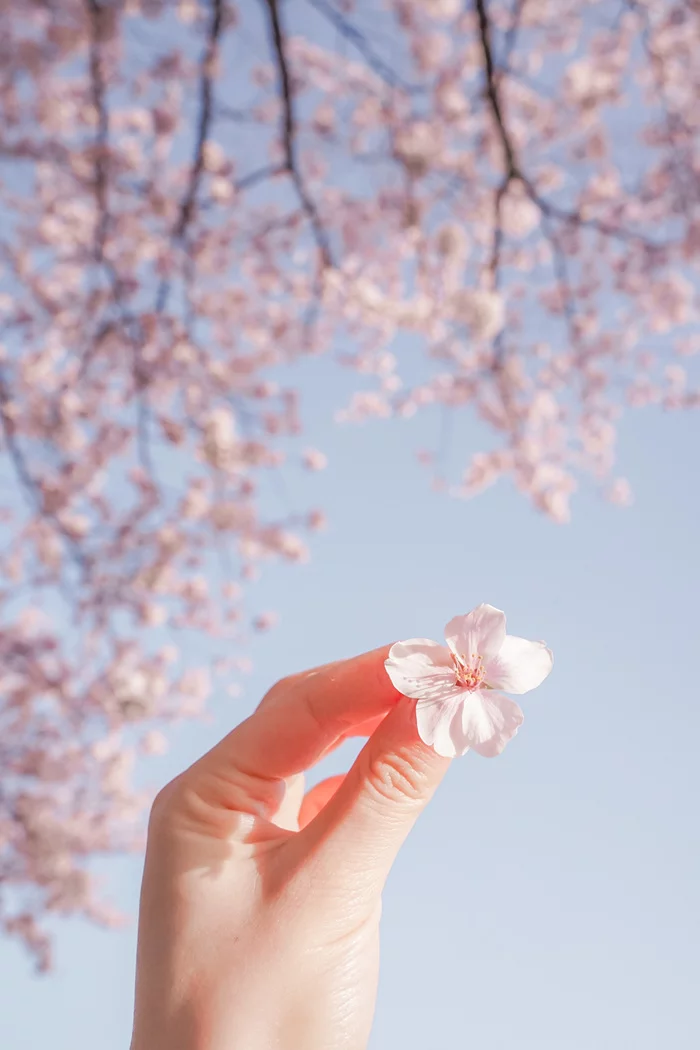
{"type": "Point", "coordinates": [260, 905]}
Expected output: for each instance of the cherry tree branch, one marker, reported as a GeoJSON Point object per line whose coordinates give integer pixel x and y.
{"type": "Point", "coordinates": [676, 125]}
{"type": "Point", "coordinates": [361, 44]}
{"type": "Point", "coordinates": [289, 130]}
{"type": "Point", "coordinates": [27, 482]}
{"type": "Point", "coordinates": [206, 109]}
{"type": "Point", "coordinates": [512, 35]}
{"type": "Point", "coordinates": [561, 272]}
{"type": "Point", "coordinates": [514, 172]}
{"type": "Point", "coordinates": [492, 93]}
{"type": "Point", "coordinates": [101, 189]}
{"type": "Point", "coordinates": [97, 92]}
{"type": "Point", "coordinates": [259, 175]}
{"type": "Point", "coordinates": [22, 471]}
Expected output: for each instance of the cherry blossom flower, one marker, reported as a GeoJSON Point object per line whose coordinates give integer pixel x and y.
{"type": "Point", "coordinates": [456, 687]}
{"type": "Point", "coordinates": [519, 214]}
{"type": "Point", "coordinates": [620, 492]}
{"type": "Point", "coordinates": [219, 438]}
{"type": "Point", "coordinates": [442, 9]}
{"type": "Point", "coordinates": [417, 145]}
{"type": "Point", "coordinates": [451, 241]}
{"type": "Point", "coordinates": [265, 621]}
{"type": "Point", "coordinates": [481, 311]}
{"type": "Point", "coordinates": [313, 459]}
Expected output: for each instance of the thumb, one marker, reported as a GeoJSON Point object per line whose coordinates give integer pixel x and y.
{"type": "Point", "coordinates": [358, 834]}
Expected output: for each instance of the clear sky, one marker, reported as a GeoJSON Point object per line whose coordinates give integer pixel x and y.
{"type": "Point", "coordinates": [548, 899]}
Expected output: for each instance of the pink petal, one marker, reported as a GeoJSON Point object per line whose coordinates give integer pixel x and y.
{"type": "Point", "coordinates": [439, 724]}
{"type": "Point", "coordinates": [481, 632]}
{"type": "Point", "coordinates": [489, 721]}
{"type": "Point", "coordinates": [421, 669]}
{"type": "Point", "coordinates": [519, 666]}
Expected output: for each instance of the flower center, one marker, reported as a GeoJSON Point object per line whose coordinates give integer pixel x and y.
{"type": "Point", "coordinates": [469, 671]}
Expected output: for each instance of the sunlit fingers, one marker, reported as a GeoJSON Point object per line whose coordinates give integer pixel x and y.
{"type": "Point", "coordinates": [287, 816]}
{"type": "Point", "coordinates": [317, 798]}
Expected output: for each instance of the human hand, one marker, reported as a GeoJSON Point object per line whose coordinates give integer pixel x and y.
{"type": "Point", "coordinates": [259, 921]}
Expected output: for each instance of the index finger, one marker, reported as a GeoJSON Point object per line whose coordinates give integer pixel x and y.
{"type": "Point", "coordinates": [305, 715]}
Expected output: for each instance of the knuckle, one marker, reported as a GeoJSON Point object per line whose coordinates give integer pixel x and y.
{"type": "Point", "coordinates": [396, 777]}
{"type": "Point", "coordinates": [283, 684]}
{"type": "Point", "coordinates": [279, 693]}
{"type": "Point", "coordinates": [165, 804]}
{"type": "Point", "coordinates": [242, 791]}
{"type": "Point", "coordinates": [309, 691]}
{"type": "Point", "coordinates": [317, 717]}
{"type": "Point", "coordinates": [281, 687]}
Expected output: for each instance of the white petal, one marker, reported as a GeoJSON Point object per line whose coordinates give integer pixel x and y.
{"type": "Point", "coordinates": [489, 721]}
{"type": "Point", "coordinates": [439, 724]}
{"type": "Point", "coordinates": [421, 669]}
{"type": "Point", "coordinates": [479, 633]}
{"type": "Point", "coordinates": [520, 665]}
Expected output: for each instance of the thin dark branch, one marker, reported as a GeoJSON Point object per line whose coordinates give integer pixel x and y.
{"type": "Point", "coordinates": [495, 261]}
{"type": "Point", "coordinates": [237, 116]}
{"type": "Point", "coordinates": [106, 329]}
{"type": "Point", "coordinates": [289, 130]}
{"type": "Point", "coordinates": [676, 125]}
{"type": "Point", "coordinates": [360, 42]}
{"type": "Point", "coordinates": [97, 92]}
{"type": "Point", "coordinates": [10, 258]}
{"type": "Point", "coordinates": [143, 442]}
{"type": "Point", "coordinates": [574, 218]}
{"type": "Point", "coordinates": [15, 453]}
{"type": "Point", "coordinates": [511, 38]}
{"type": "Point", "coordinates": [514, 171]}
{"type": "Point", "coordinates": [259, 175]}
{"type": "Point", "coordinates": [492, 93]}
{"type": "Point", "coordinates": [561, 272]}
{"type": "Point", "coordinates": [206, 116]}
{"type": "Point", "coordinates": [206, 95]}
{"type": "Point", "coordinates": [247, 182]}
{"type": "Point", "coordinates": [28, 484]}
{"type": "Point", "coordinates": [568, 299]}
{"type": "Point", "coordinates": [140, 379]}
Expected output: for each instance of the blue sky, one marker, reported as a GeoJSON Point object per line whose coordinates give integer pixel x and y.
{"type": "Point", "coordinates": [547, 900]}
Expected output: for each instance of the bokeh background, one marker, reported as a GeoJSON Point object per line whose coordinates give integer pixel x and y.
{"type": "Point", "coordinates": [548, 899]}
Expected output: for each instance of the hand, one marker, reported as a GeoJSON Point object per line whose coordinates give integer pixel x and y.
{"type": "Point", "coordinates": [259, 922]}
